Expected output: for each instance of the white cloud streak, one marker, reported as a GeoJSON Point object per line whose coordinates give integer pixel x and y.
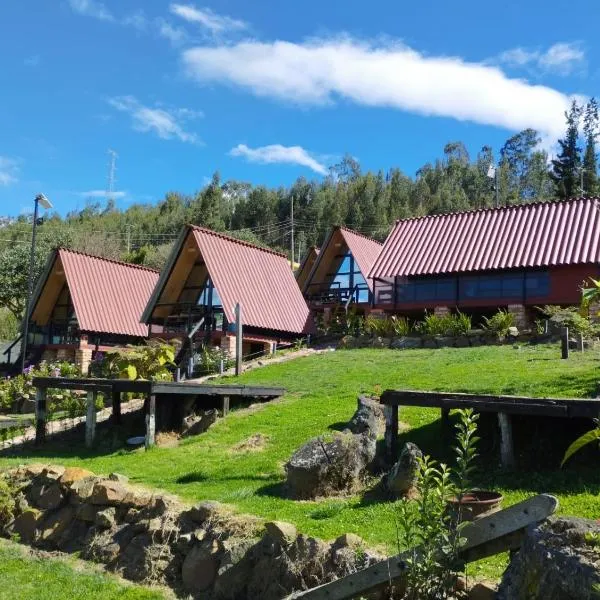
{"type": "Point", "coordinates": [102, 194]}
{"type": "Point", "coordinates": [276, 153]}
{"type": "Point", "coordinates": [175, 35]}
{"type": "Point", "coordinates": [167, 124]}
{"type": "Point", "coordinates": [207, 18]}
{"type": "Point", "coordinates": [91, 8]}
{"type": "Point", "coordinates": [9, 171]}
{"type": "Point", "coordinates": [561, 58]}
{"type": "Point", "coordinates": [320, 72]}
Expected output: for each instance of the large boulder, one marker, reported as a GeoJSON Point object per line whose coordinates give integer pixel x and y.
{"type": "Point", "coordinates": [402, 478]}
{"type": "Point", "coordinates": [368, 417]}
{"type": "Point", "coordinates": [197, 424]}
{"type": "Point", "coordinates": [558, 560]}
{"type": "Point", "coordinates": [323, 467]}
{"type": "Point", "coordinates": [406, 343]}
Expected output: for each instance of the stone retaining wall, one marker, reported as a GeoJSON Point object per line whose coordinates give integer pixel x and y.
{"type": "Point", "coordinates": [206, 550]}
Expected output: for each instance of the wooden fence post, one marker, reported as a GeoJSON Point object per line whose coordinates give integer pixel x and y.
{"type": "Point", "coordinates": [564, 339]}
{"type": "Point", "coordinates": [225, 405]}
{"type": "Point", "coordinates": [238, 339]}
{"type": "Point", "coordinates": [391, 432]}
{"type": "Point", "coordinates": [40, 416]}
{"type": "Point", "coordinates": [116, 407]}
{"type": "Point", "coordinates": [90, 418]}
{"type": "Point", "coordinates": [507, 453]}
{"type": "Point", "coordinates": [150, 421]}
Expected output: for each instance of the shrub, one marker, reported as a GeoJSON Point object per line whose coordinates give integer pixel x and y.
{"type": "Point", "coordinates": [433, 324]}
{"type": "Point", "coordinates": [9, 325]}
{"type": "Point", "coordinates": [570, 317]}
{"type": "Point", "coordinates": [427, 528]}
{"type": "Point", "coordinates": [499, 323]}
{"type": "Point", "coordinates": [459, 324]}
{"type": "Point", "coordinates": [7, 502]}
{"type": "Point", "coordinates": [149, 362]}
{"type": "Point", "coordinates": [209, 359]}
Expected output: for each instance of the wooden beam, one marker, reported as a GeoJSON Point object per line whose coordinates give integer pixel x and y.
{"type": "Point", "coordinates": [90, 418]}
{"type": "Point", "coordinates": [116, 407]}
{"type": "Point", "coordinates": [564, 342]}
{"type": "Point", "coordinates": [150, 421]}
{"type": "Point", "coordinates": [40, 416]}
{"type": "Point", "coordinates": [484, 537]}
{"type": "Point", "coordinates": [225, 405]}
{"type": "Point", "coordinates": [391, 433]}
{"type": "Point", "coordinates": [238, 339]}
{"type": "Point", "coordinates": [507, 451]}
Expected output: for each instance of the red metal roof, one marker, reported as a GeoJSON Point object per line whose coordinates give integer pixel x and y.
{"type": "Point", "coordinates": [527, 235]}
{"type": "Point", "coordinates": [364, 250]}
{"type": "Point", "coordinates": [261, 280]}
{"type": "Point", "coordinates": [108, 296]}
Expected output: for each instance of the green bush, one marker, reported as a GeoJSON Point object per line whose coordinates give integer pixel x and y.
{"type": "Point", "coordinates": [499, 323]}
{"type": "Point", "coordinates": [570, 317]}
{"type": "Point", "coordinates": [9, 325]}
{"type": "Point", "coordinates": [7, 502]}
{"type": "Point", "coordinates": [432, 324]}
{"type": "Point", "coordinates": [209, 359]}
{"type": "Point", "coordinates": [149, 362]}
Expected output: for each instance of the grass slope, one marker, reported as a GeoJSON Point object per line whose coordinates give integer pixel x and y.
{"type": "Point", "coordinates": [25, 576]}
{"type": "Point", "coordinates": [322, 391]}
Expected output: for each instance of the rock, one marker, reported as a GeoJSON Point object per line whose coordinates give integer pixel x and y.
{"type": "Point", "coordinates": [208, 511]}
{"type": "Point", "coordinates": [54, 526]}
{"type": "Point", "coordinates": [106, 493]}
{"type": "Point", "coordinates": [136, 498]}
{"type": "Point", "coordinates": [105, 519]}
{"type": "Point", "coordinates": [133, 560]}
{"type": "Point", "coordinates": [558, 560]}
{"type": "Point", "coordinates": [199, 569]}
{"type": "Point", "coordinates": [429, 343]}
{"type": "Point", "coordinates": [406, 343]}
{"type": "Point", "coordinates": [53, 472]}
{"type": "Point", "coordinates": [284, 533]}
{"type": "Point", "coordinates": [21, 504]}
{"type": "Point", "coordinates": [86, 512]}
{"type": "Point", "coordinates": [25, 525]}
{"type": "Point", "coordinates": [184, 542]}
{"type": "Point", "coordinates": [46, 496]}
{"type": "Point", "coordinates": [368, 417]}
{"type": "Point", "coordinates": [73, 474]}
{"type": "Point", "coordinates": [323, 467]}
{"type": "Point", "coordinates": [513, 332]}
{"type": "Point", "coordinates": [380, 342]}
{"type": "Point", "coordinates": [197, 424]}
{"type": "Point", "coordinates": [462, 342]}
{"type": "Point", "coordinates": [402, 477]}
{"type": "Point", "coordinates": [482, 591]}
{"type": "Point", "coordinates": [445, 341]}
{"type": "Point", "coordinates": [33, 470]}
{"type": "Point", "coordinates": [82, 489]}
{"type": "Point", "coordinates": [349, 540]}
{"type": "Point", "coordinates": [118, 477]}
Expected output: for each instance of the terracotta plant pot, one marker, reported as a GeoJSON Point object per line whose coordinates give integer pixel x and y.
{"type": "Point", "coordinates": [476, 503]}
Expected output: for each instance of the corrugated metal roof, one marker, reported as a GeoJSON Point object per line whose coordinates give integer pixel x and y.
{"type": "Point", "coordinates": [259, 279]}
{"type": "Point", "coordinates": [365, 251]}
{"type": "Point", "coordinates": [527, 235]}
{"type": "Point", "coordinates": [108, 296]}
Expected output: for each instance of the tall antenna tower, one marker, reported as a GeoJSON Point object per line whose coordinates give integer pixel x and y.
{"type": "Point", "coordinates": [112, 167]}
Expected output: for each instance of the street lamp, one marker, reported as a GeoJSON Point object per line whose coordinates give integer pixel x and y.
{"type": "Point", "coordinates": [39, 199]}
{"type": "Point", "coordinates": [492, 173]}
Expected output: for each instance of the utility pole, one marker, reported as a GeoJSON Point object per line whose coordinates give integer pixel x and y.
{"type": "Point", "coordinates": [581, 170]}
{"type": "Point", "coordinates": [292, 218]}
{"type": "Point", "coordinates": [128, 239]}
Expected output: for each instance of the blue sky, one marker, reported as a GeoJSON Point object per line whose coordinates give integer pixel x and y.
{"type": "Point", "coordinates": [265, 91]}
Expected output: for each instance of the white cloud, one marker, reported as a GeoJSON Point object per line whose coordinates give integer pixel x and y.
{"type": "Point", "coordinates": [276, 153]}
{"type": "Point", "coordinates": [319, 72]}
{"type": "Point", "coordinates": [102, 194]}
{"type": "Point", "coordinates": [9, 170]}
{"type": "Point", "coordinates": [175, 35]}
{"type": "Point", "coordinates": [165, 123]}
{"type": "Point", "coordinates": [91, 8]}
{"type": "Point", "coordinates": [137, 20]}
{"type": "Point", "coordinates": [561, 58]}
{"type": "Point", "coordinates": [205, 17]}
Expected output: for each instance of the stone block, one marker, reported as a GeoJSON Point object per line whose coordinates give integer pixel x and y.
{"type": "Point", "coordinates": [107, 493]}
{"type": "Point", "coordinates": [283, 533]}
{"type": "Point", "coordinates": [54, 526]}
{"type": "Point", "coordinates": [46, 496]}
{"type": "Point", "coordinates": [118, 477]}
{"type": "Point", "coordinates": [25, 525]}
{"type": "Point", "coordinates": [105, 519]}
{"type": "Point", "coordinates": [199, 569]}
{"type": "Point", "coordinates": [73, 474]}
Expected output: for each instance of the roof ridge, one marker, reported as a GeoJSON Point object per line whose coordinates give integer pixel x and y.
{"type": "Point", "coordinates": [520, 206]}
{"type": "Point", "coordinates": [230, 238]}
{"type": "Point", "coordinates": [362, 235]}
{"type": "Point", "coordinates": [110, 260]}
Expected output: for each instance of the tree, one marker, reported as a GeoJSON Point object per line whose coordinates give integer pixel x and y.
{"type": "Point", "coordinates": [590, 163]}
{"type": "Point", "coordinates": [565, 167]}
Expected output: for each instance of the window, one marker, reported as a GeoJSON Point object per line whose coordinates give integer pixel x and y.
{"type": "Point", "coordinates": [423, 290]}
{"type": "Point", "coordinates": [537, 284]}
{"type": "Point", "coordinates": [348, 279]}
{"type": "Point", "coordinates": [204, 299]}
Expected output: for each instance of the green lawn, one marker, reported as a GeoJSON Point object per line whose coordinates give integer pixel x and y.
{"type": "Point", "coordinates": [322, 391]}
{"type": "Point", "coordinates": [24, 576]}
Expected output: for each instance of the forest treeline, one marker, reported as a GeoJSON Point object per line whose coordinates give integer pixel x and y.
{"type": "Point", "coordinates": [368, 202]}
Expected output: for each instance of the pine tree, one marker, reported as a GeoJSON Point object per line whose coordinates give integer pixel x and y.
{"type": "Point", "coordinates": [590, 163]}
{"type": "Point", "coordinates": [565, 167]}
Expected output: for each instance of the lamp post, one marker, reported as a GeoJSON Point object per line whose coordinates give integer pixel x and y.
{"type": "Point", "coordinates": [39, 199]}
{"type": "Point", "coordinates": [492, 173]}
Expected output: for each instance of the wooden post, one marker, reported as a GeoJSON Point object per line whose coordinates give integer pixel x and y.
{"type": "Point", "coordinates": [90, 419]}
{"type": "Point", "coordinates": [391, 432]}
{"type": "Point", "coordinates": [225, 405]}
{"type": "Point", "coordinates": [445, 422]}
{"type": "Point", "coordinates": [238, 339]}
{"type": "Point", "coordinates": [40, 416]}
{"type": "Point", "coordinates": [116, 407]}
{"type": "Point", "coordinates": [507, 452]}
{"type": "Point", "coordinates": [580, 342]}
{"type": "Point", "coordinates": [150, 421]}
{"type": "Point", "coordinates": [564, 339]}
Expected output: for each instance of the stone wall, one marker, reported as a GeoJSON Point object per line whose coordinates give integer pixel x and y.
{"type": "Point", "coordinates": [205, 551]}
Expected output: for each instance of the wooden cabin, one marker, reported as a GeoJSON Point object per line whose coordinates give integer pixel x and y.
{"type": "Point", "coordinates": [207, 275]}
{"type": "Point", "coordinates": [83, 303]}
{"type": "Point", "coordinates": [306, 265]}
